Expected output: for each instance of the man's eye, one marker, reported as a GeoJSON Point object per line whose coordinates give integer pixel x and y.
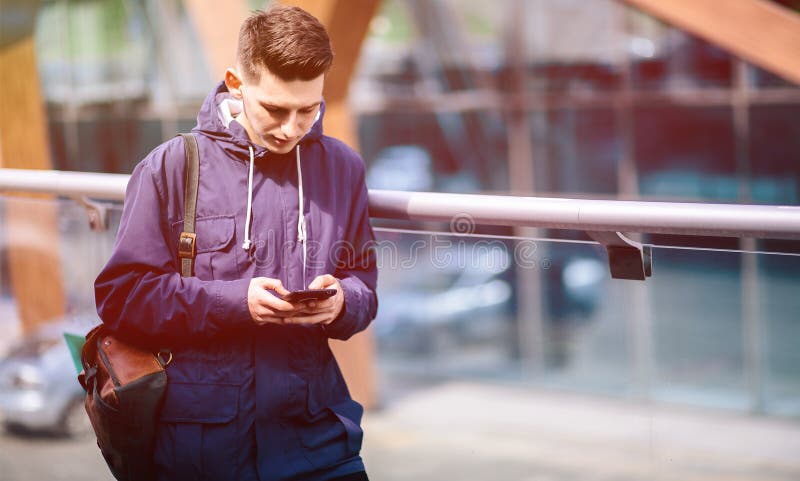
{"type": "Point", "coordinates": [308, 111]}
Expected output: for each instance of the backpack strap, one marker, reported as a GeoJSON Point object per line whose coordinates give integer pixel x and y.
{"type": "Point", "coordinates": [186, 244]}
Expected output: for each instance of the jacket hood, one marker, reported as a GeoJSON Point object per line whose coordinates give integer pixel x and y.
{"type": "Point", "coordinates": [211, 122]}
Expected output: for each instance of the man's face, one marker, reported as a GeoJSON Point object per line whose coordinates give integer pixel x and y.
{"type": "Point", "coordinates": [278, 113]}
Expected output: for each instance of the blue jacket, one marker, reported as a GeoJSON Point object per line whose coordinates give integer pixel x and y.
{"type": "Point", "coordinates": [243, 401]}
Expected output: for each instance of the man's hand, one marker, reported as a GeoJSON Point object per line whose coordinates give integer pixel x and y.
{"type": "Point", "coordinates": [265, 307]}
{"type": "Point", "coordinates": [319, 312]}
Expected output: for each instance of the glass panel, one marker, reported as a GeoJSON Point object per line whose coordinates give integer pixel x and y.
{"type": "Point", "coordinates": [83, 252]}
{"type": "Point", "coordinates": [434, 152]}
{"type": "Point", "coordinates": [641, 89]}
{"type": "Point", "coordinates": [695, 307]}
{"type": "Point", "coordinates": [91, 51]}
{"type": "Point", "coordinates": [77, 252]}
{"type": "Point", "coordinates": [579, 151]}
{"type": "Point", "coordinates": [186, 124]}
{"type": "Point", "coordinates": [59, 154]}
{"type": "Point", "coordinates": [679, 61]}
{"type": "Point", "coordinates": [586, 334]}
{"type": "Point", "coordinates": [40, 398]}
{"type": "Point", "coordinates": [445, 303]}
{"type": "Point", "coordinates": [571, 46]}
{"type": "Point", "coordinates": [105, 142]}
{"type": "Point", "coordinates": [675, 163]}
{"type": "Point", "coordinates": [762, 78]}
{"type": "Point", "coordinates": [779, 310]}
{"type": "Point", "coordinates": [495, 389]}
{"type": "Point", "coordinates": [681, 336]}
{"type": "Point", "coordinates": [668, 59]}
{"type": "Point", "coordinates": [774, 150]}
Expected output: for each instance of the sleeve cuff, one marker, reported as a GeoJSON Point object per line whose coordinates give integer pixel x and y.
{"type": "Point", "coordinates": [344, 326]}
{"type": "Point", "coordinates": [230, 306]}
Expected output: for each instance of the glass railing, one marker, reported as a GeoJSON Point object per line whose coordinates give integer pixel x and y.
{"type": "Point", "coordinates": [503, 356]}
{"type": "Point", "coordinates": [709, 328]}
{"type": "Point", "coordinates": [498, 356]}
{"type": "Point", "coordinates": [66, 248]}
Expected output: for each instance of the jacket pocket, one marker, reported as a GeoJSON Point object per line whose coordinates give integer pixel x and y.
{"type": "Point", "coordinates": [214, 257]}
{"type": "Point", "coordinates": [332, 433]}
{"type": "Point", "coordinates": [198, 433]}
{"type": "Point", "coordinates": [349, 413]}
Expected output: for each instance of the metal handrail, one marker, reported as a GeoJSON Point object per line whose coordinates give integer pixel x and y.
{"type": "Point", "coordinates": [69, 184]}
{"type": "Point", "coordinates": [730, 220]}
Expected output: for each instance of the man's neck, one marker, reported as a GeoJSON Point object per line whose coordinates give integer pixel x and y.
{"type": "Point", "coordinates": [242, 120]}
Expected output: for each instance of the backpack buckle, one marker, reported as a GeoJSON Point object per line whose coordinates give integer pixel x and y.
{"type": "Point", "coordinates": [186, 245]}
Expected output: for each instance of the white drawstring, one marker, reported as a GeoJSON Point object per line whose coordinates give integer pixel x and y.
{"type": "Point", "coordinates": [246, 243]}
{"type": "Point", "coordinates": [301, 219]}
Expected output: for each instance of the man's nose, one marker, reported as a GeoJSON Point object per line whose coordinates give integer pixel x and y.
{"type": "Point", "coordinates": [291, 127]}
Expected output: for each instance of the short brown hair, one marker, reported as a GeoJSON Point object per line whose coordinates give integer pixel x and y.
{"type": "Point", "coordinates": [290, 42]}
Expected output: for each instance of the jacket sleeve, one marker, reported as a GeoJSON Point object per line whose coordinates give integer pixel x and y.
{"type": "Point", "coordinates": [357, 267]}
{"type": "Point", "coordinates": [140, 292]}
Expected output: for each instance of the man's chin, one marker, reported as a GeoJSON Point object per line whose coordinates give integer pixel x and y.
{"type": "Point", "coordinates": [281, 148]}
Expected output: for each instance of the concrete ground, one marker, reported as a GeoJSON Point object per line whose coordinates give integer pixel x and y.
{"type": "Point", "coordinates": [477, 431]}
{"type": "Point", "coordinates": [469, 431]}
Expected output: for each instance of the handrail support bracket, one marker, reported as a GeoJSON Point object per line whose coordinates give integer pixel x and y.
{"type": "Point", "coordinates": [97, 212]}
{"type": "Point", "coordinates": [627, 259]}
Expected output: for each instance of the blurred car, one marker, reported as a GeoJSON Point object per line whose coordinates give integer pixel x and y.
{"type": "Point", "coordinates": [401, 167]}
{"type": "Point", "coordinates": [476, 301]}
{"type": "Point", "coordinates": [470, 283]}
{"type": "Point", "coordinates": [39, 390]}
{"type": "Point", "coordinates": [410, 167]}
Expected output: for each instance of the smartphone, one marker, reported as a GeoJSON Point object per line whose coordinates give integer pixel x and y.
{"type": "Point", "coordinates": [309, 295]}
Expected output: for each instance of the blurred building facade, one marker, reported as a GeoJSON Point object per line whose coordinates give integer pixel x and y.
{"type": "Point", "coordinates": [120, 76]}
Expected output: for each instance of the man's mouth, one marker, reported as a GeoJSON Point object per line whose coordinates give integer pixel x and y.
{"type": "Point", "coordinates": [279, 140]}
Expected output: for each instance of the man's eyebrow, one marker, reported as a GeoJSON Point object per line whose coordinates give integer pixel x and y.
{"type": "Point", "coordinates": [280, 107]}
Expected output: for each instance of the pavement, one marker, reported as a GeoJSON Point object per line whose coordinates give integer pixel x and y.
{"type": "Point", "coordinates": [474, 431]}
{"type": "Point", "coordinates": [477, 431]}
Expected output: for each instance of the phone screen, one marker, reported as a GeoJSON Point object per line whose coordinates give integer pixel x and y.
{"type": "Point", "coordinates": [309, 295]}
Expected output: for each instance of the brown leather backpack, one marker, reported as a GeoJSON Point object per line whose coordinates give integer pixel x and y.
{"type": "Point", "coordinates": [125, 383]}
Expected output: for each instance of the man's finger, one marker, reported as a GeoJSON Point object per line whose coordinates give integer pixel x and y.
{"type": "Point", "coordinates": [275, 304]}
{"type": "Point", "coordinates": [283, 314]}
{"type": "Point", "coordinates": [269, 320]}
{"type": "Point", "coordinates": [322, 305]}
{"type": "Point", "coordinates": [316, 283]}
{"type": "Point", "coordinates": [322, 281]}
{"type": "Point", "coordinates": [312, 319]}
{"type": "Point", "coordinates": [277, 286]}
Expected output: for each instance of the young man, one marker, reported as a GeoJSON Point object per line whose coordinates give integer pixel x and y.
{"type": "Point", "coordinates": [254, 392]}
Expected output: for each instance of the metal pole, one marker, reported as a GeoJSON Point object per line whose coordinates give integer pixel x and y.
{"type": "Point", "coordinates": [683, 218]}
{"type": "Point", "coordinates": [750, 295]}
{"type": "Point", "coordinates": [530, 322]}
{"type": "Point", "coordinates": [70, 184]}
{"type": "Point", "coordinates": [639, 319]}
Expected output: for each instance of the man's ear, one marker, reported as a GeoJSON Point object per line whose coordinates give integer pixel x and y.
{"type": "Point", "coordinates": [234, 83]}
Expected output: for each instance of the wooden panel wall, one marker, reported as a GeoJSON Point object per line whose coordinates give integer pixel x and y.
{"type": "Point", "coordinates": [758, 31]}
{"type": "Point", "coordinates": [218, 29]}
{"type": "Point", "coordinates": [347, 22]}
{"type": "Point", "coordinates": [30, 235]}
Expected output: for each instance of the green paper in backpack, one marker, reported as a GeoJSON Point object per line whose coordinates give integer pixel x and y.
{"type": "Point", "coordinates": [75, 344]}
